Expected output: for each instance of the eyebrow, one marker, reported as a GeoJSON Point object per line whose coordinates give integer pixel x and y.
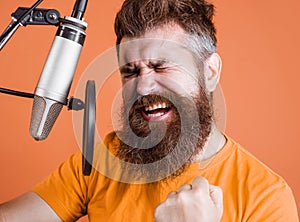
{"type": "Point", "coordinates": [157, 62]}
{"type": "Point", "coordinates": [151, 63]}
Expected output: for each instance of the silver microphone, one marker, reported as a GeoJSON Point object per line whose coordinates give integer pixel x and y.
{"type": "Point", "coordinates": [55, 81]}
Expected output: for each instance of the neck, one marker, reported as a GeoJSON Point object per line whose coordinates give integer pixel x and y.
{"type": "Point", "coordinates": [215, 141]}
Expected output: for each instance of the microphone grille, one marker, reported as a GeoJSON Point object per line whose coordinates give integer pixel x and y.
{"type": "Point", "coordinates": [44, 114]}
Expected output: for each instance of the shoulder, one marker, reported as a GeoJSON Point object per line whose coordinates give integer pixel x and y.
{"type": "Point", "coordinates": [262, 187]}
{"type": "Point", "coordinates": [253, 176]}
{"type": "Point", "coordinates": [265, 195]}
{"type": "Point", "coordinates": [247, 162]}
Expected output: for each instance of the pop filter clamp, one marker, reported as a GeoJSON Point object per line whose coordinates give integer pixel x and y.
{"type": "Point", "coordinates": [40, 16]}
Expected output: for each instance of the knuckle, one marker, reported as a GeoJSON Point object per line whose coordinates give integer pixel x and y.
{"type": "Point", "coordinates": [181, 197]}
{"type": "Point", "coordinates": [200, 184]}
{"type": "Point", "coordinates": [184, 187]}
{"type": "Point", "coordinates": [216, 189]}
{"type": "Point", "coordinates": [171, 194]}
{"type": "Point", "coordinates": [171, 201]}
{"type": "Point", "coordinates": [201, 180]}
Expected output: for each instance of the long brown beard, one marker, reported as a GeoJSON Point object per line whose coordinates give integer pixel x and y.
{"type": "Point", "coordinates": [184, 135]}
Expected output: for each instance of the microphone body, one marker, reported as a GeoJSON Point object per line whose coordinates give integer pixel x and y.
{"type": "Point", "coordinates": [55, 81]}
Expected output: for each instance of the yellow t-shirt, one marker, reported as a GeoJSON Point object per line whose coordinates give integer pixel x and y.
{"type": "Point", "coordinates": [252, 192]}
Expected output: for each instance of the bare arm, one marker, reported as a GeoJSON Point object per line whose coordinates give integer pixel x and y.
{"type": "Point", "coordinates": [28, 207]}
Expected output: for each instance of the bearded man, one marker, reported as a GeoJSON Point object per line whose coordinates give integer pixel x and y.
{"type": "Point", "coordinates": [169, 162]}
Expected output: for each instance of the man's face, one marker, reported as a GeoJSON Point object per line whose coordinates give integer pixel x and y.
{"type": "Point", "coordinates": [165, 103]}
{"type": "Point", "coordinates": [158, 63]}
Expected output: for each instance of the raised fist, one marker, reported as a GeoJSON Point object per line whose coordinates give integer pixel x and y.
{"type": "Point", "coordinates": [198, 201]}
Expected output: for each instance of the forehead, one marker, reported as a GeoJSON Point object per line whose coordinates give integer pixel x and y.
{"type": "Point", "coordinates": [163, 43]}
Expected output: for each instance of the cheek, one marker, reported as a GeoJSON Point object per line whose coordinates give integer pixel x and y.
{"type": "Point", "coordinates": [129, 89]}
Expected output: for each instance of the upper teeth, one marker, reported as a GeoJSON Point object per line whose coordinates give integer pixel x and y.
{"type": "Point", "coordinates": [162, 105]}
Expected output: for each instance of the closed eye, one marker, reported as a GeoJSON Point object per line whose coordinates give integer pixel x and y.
{"type": "Point", "coordinates": [128, 71]}
{"type": "Point", "coordinates": [158, 65]}
{"type": "Point", "coordinates": [160, 69]}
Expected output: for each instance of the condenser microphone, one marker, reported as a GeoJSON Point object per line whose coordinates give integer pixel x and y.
{"type": "Point", "coordinates": [55, 81]}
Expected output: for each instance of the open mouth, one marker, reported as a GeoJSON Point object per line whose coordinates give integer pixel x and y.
{"type": "Point", "coordinates": [156, 111]}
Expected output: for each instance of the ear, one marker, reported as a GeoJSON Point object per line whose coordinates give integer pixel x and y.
{"type": "Point", "coordinates": [212, 71]}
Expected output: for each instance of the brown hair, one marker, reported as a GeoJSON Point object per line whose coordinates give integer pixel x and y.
{"type": "Point", "coordinates": [194, 16]}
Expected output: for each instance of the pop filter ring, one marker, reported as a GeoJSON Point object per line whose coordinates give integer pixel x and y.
{"type": "Point", "coordinates": [89, 120]}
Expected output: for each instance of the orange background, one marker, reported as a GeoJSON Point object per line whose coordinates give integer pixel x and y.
{"type": "Point", "coordinates": [258, 42]}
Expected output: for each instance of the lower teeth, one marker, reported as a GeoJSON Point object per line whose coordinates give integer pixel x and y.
{"type": "Point", "coordinates": [155, 114]}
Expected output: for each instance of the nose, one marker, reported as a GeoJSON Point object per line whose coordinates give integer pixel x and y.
{"type": "Point", "coordinates": [146, 83]}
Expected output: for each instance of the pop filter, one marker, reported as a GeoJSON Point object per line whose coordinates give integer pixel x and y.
{"type": "Point", "coordinates": [89, 119]}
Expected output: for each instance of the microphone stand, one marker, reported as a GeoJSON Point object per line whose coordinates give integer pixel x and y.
{"type": "Point", "coordinates": [22, 17]}
{"type": "Point", "coordinates": [18, 19]}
